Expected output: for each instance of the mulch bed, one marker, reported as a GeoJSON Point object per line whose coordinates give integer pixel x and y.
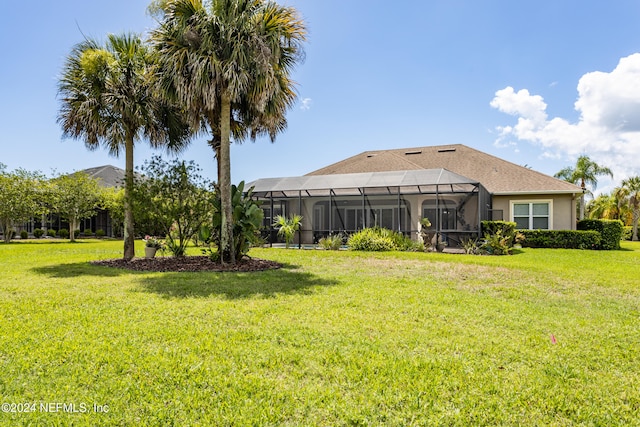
{"type": "Point", "coordinates": [189, 263]}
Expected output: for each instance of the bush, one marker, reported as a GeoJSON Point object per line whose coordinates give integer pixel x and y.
{"type": "Point", "coordinates": [332, 242]}
{"type": "Point", "coordinates": [51, 232]}
{"type": "Point", "coordinates": [24, 234]}
{"type": "Point", "coordinates": [38, 233]}
{"type": "Point", "coordinates": [507, 228]}
{"type": "Point", "coordinates": [371, 239]}
{"type": "Point", "coordinates": [247, 220]}
{"type": "Point", "coordinates": [497, 243]}
{"type": "Point", "coordinates": [611, 231]}
{"type": "Point", "coordinates": [381, 239]}
{"type": "Point", "coordinates": [63, 233]}
{"type": "Point", "coordinates": [561, 239]}
{"type": "Point", "coordinates": [86, 233]}
{"type": "Point", "coordinates": [499, 237]}
{"type": "Point", "coordinates": [100, 232]}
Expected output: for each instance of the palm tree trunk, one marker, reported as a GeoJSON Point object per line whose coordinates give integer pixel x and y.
{"type": "Point", "coordinates": [129, 249]}
{"type": "Point", "coordinates": [224, 172]}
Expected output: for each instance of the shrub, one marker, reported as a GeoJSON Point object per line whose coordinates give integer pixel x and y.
{"type": "Point", "coordinates": [507, 228]}
{"type": "Point", "coordinates": [100, 232]}
{"type": "Point", "coordinates": [627, 232]}
{"type": "Point", "coordinates": [610, 231]}
{"type": "Point", "coordinates": [497, 243]}
{"type": "Point", "coordinates": [63, 233]}
{"type": "Point", "coordinates": [24, 234]}
{"type": "Point", "coordinates": [371, 239]}
{"type": "Point", "coordinates": [38, 233]}
{"type": "Point", "coordinates": [332, 242]}
{"type": "Point", "coordinates": [51, 232]}
{"type": "Point", "coordinates": [247, 220]}
{"type": "Point", "coordinates": [287, 227]}
{"type": "Point", "coordinates": [382, 239]}
{"type": "Point", "coordinates": [499, 237]}
{"type": "Point", "coordinates": [561, 239]}
{"type": "Point", "coordinates": [472, 246]}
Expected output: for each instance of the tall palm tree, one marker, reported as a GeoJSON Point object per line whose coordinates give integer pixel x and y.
{"type": "Point", "coordinates": [631, 189]}
{"type": "Point", "coordinates": [228, 64]}
{"type": "Point", "coordinates": [108, 100]}
{"type": "Point", "coordinates": [585, 173]}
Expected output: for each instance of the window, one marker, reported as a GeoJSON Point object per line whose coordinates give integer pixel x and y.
{"type": "Point", "coordinates": [444, 216]}
{"type": "Point", "coordinates": [532, 215]}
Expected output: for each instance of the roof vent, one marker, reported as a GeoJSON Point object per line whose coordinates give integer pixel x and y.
{"type": "Point", "coordinates": [446, 150]}
{"type": "Point", "coordinates": [371, 155]}
{"type": "Point", "coordinates": [408, 153]}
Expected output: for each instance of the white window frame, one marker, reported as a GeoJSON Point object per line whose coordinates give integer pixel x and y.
{"type": "Point", "coordinates": [531, 202]}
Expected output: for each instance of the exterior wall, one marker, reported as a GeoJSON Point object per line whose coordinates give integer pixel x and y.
{"type": "Point", "coordinates": [563, 208]}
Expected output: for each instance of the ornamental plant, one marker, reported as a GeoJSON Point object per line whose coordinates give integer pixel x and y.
{"type": "Point", "coordinates": [287, 227]}
{"type": "Point", "coordinates": [153, 242]}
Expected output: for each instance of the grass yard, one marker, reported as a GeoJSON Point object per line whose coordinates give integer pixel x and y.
{"type": "Point", "coordinates": [543, 337]}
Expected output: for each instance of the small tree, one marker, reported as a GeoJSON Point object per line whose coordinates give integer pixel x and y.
{"type": "Point", "coordinates": [18, 203]}
{"type": "Point", "coordinates": [75, 197]}
{"type": "Point", "coordinates": [113, 202]}
{"type": "Point", "coordinates": [177, 198]}
{"type": "Point", "coordinates": [287, 227]}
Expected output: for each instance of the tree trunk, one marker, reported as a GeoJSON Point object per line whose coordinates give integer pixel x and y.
{"type": "Point", "coordinates": [636, 217]}
{"type": "Point", "coordinates": [72, 229]}
{"type": "Point", "coordinates": [6, 233]}
{"type": "Point", "coordinates": [129, 241]}
{"type": "Point", "coordinates": [224, 172]}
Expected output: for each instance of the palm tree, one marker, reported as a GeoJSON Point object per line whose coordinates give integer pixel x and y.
{"type": "Point", "coordinates": [605, 206]}
{"type": "Point", "coordinates": [585, 173]}
{"type": "Point", "coordinates": [631, 189]}
{"type": "Point", "coordinates": [228, 65]}
{"type": "Point", "coordinates": [108, 100]}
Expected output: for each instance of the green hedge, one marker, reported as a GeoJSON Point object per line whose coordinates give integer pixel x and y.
{"type": "Point", "coordinates": [611, 231]}
{"type": "Point", "coordinates": [561, 239]}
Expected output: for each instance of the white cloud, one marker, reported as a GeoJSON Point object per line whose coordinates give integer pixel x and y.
{"type": "Point", "coordinates": [608, 129]}
{"type": "Point", "coordinates": [306, 104]}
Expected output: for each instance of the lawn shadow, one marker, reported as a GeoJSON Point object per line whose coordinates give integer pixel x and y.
{"type": "Point", "coordinates": [235, 285]}
{"type": "Point", "coordinates": [78, 269]}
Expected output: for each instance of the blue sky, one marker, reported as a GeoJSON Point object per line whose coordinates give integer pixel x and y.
{"type": "Point", "coordinates": [536, 83]}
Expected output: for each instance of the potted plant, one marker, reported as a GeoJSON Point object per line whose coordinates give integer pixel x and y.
{"type": "Point", "coordinates": [151, 246]}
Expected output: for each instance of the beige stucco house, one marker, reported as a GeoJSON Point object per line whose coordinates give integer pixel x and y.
{"type": "Point", "coordinates": [455, 186]}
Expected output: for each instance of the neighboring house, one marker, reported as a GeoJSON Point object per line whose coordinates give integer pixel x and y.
{"type": "Point", "coordinates": [107, 176]}
{"type": "Point", "coordinates": [455, 186]}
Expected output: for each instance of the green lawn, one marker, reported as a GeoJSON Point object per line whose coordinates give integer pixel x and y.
{"type": "Point", "coordinates": [334, 338]}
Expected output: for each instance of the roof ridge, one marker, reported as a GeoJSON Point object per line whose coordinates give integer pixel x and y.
{"type": "Point", "coordinates": [406, 160]}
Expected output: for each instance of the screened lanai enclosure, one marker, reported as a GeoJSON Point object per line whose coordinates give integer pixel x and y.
{"type": "Point", "coordinates": [397, 200]}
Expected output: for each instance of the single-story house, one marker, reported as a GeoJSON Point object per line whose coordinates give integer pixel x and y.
{"type": "Point", "coordinates": [454, 186]}
{"type": "Point", "coordinates": [107, 176]}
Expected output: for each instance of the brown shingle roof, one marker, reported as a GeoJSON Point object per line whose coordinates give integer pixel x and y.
{"type": "Point", "coordinates": [496, 175]}
{"type": "Point", "coordinates": [108, 175]}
